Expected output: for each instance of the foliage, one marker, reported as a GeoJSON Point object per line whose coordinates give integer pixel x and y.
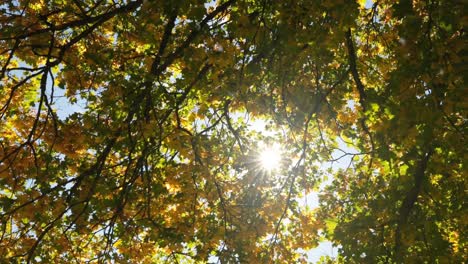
{"type": "Point", "coordinates": [158, 162]}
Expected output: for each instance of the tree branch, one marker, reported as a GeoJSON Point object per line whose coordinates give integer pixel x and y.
{"type": "Point", "coordinates": [410, 199]}
{"type": "Point", "coordinates": [353, 68]}
{"type": "Point", "coordinates": [352, 58]}
{"type": "Point", "coordinates": [180, 50]}
{"type": "Point", "coordinates": [76, 23]}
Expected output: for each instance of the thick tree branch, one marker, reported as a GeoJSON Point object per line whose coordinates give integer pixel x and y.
{"type": "Point", "coordinates": [352, 58]}
{"type": "Point", "coordinates": [410, 199]}
{"type": "Point", "coordinates": [353, 68]}
{"type": "Point", "coordinates": [165, 40]}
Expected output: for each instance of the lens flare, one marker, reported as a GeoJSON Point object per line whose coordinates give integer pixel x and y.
{"type": "Point", "coordinates": [270, 157]}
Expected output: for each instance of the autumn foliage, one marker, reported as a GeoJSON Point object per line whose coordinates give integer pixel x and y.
{"type": "Point", "coordinates": [127, 136]}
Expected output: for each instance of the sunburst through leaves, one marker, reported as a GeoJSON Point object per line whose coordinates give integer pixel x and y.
{"type": "Point", "coordinates": [270, 157]}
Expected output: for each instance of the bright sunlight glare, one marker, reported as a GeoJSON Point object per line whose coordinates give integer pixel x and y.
{"type": "Point", "coordinates": [270, 157]}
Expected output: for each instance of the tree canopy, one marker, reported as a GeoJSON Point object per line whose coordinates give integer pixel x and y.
{"type": "Point", "coordinates": [126, 130]}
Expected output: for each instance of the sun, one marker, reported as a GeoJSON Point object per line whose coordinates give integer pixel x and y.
{"type": "Point", "coordinates": [270, 157]}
